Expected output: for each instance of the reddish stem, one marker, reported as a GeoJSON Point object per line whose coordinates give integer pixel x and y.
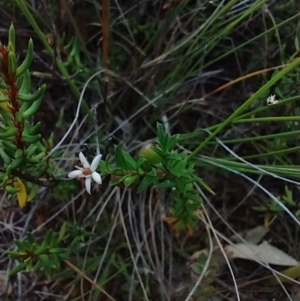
{"type": "Point", "coordinates": [12, 93]}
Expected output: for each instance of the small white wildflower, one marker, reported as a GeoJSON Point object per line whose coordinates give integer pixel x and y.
{"type": "Point", "coordinates": [88, 171]}
{"type": "Point", "coordinates": [271, 100]}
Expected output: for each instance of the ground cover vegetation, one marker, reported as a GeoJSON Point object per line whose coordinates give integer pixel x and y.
{"type": "Point", "coordinates": [149, 150]}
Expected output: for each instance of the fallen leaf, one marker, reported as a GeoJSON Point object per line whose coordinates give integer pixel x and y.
{"type": "Point", "coordinates": [255, 235]}
{"type": "Point", "coordinates": [263, 253]}
{"type": "Point", "coordinates": [252, 236]}
{"type": "Point", "coordinates": [22, 193]}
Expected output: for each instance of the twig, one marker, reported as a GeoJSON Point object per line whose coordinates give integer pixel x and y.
{"type": "Point", "coordinates": [77, 270]}
{"type": "Point", "coordinates": [27, 177]}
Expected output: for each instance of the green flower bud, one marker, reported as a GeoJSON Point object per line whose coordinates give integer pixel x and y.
{"type": "Point", "coordinates": [151, 156]}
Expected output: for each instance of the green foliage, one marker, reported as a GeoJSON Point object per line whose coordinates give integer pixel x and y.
{"type": "Point", "coordinates": [75, 235]}
{"type": "Point", "coordinates": [24, 153]}
{"type": "Point", "coordinates": [163, 166]}
{"type": "Point", "coordinates": [286, 200]}
{"type": "Point", "coordinates": [173, 171]}
{"type": "Point", "coordinates": [34, 256]}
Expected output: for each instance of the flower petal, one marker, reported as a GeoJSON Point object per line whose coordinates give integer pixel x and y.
{"type": "Point", "coordinates": [75, 174]}
{"type": "Point", "coordinates": [97, 177]}
{"type": "Point", "coordinates": [83, 160]}
{"type": "Point", "coordinates": [88, 182]}
{"type": "Point", "coordinates": [96, 162]}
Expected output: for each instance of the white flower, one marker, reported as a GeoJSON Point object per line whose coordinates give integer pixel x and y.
{"type": "Point", "coordinates": [87, 171]}
{"type": "Point", "coordinates": [271, 100]}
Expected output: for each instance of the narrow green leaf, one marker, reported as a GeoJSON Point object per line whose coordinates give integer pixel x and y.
{"type": "Point", "coordinates": [37, 266]}
{"type": "Point", "coordinates": [146, 182]}
{"type": "Point", "coordinates": [164, 185]}
{"type": "Point", "coordinates": [20, 245]}
{"type": "Point", "coordinates": [172, 142]}
{"type": "Point", "coordinates": [53, 242]}
{"type": "Point", "coordinates": [47, 239]}
{"type": "Point", "coordinates": [56, 261]}
{"type": "Point", "coordinates": [57, 250]}
{"type": "Point", "coordinates": [118, 156]}
{"type": "Point", "coordinates": [46, 261]}
{"type": "Point", "coordinates": [259, 209]}
{"type": "Point", "coordinates": [48, 265]}
{"type": "Point", "coordinates": [117, 181]}
{"type": "Point", "coordinates": [28, 265]}
{"type": "Point", "coordinates": [63, 256]}
{"type": "Point", "coordinates": [130, 180]}
{"type": "Point", "coordinates": [13, 254]}
{"type": "Point", "coordinates": [62, 231]}
{"type": "Point", "coordinates": [161, 135]}
{"type": "Point", "coordinates": [41, 250]}
{"type": "Point", "coordinates": [18, 268]}
{"type": "Point", "coordinates": [128, 162]}
{"type": "Point", "coordinates": [30, 238]}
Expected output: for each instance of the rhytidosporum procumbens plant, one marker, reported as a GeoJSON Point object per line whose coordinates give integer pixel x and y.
{"type": "Point", "coordinates": [23, 151]}
{"type": "Point", "coordinates": [163, 167]}
{"type": "Point", "coordinates": [159, 166]}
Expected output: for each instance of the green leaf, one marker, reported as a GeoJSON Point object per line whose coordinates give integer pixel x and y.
{"type": "Point", "coordinates": [117, 181]}
{"type": "Point", "coordinates": [194, 197]}
{"type": "Point", "coordinates": [259, 208]}
{"type": "Point", "coordinates": [172, 142]}
{"type": "Point", "coordinates": [56, 154]}
{"type": "Point", "coordinates": [62, 231]}
{"type": "Point", "coordinates": [118, 156]}
{"type": "Point", "coordinates": [13, 254]}
{"type": "Point", "coordinates": [164, 185]}
{"type": "Point", "coordinates": [146, 182]}
{"type": "Point", "coordinates": [56, 261]}
{"type": "Point", "coordinates": [46, 261]}
{"type": "Point", "coordinates": [28, 265]}
{"type": "Point", "coordinates": [20, 245]}
{"type": "Point", "coordinates": [161, 135]}
{"type": "Point", "coordinates": [41, 250]}
{"type": "Point", "coordinates": [53, 242]}
{"type": "Point", "coordinates": [37, 266]}
{"type": "Point", "coordinates": [276, 209]}
{"type": "Point", "coordinates": [128, 162]}
{"type": "Point", "coordinates": [104, 166]}
{"type": "Point", "coordinates": [47, 265]}
{"type": "Point", "coordinates": [30, 238]}
{"type": "Point", "coordinates": [31, 246]}
{"type": "Point", "coordinates": [200, 264]}
{"type": "Point", "coordinates": [47, 239]}
{"type": "Point", "coordinates": [18, 268]}
{"type": "Point", "coordinates": [205, 186]}
{"type": "Point", "coordinates": [63, 256]}
{"type": "Point", "coordinates": [130, 180]}
{"type": "Point", "coordinates": [57, 250]}
{"type": "Point", "coordinates": [297, 46]}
